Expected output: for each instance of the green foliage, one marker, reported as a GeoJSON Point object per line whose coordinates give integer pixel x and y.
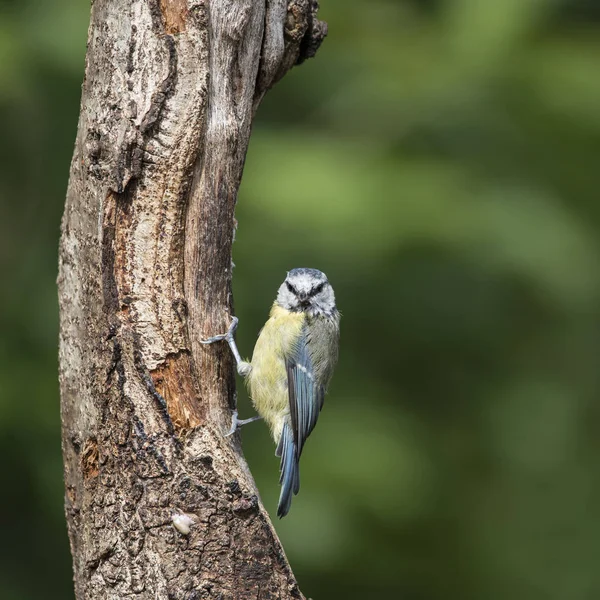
{"type": "Point", "coordinates": [439, 161]}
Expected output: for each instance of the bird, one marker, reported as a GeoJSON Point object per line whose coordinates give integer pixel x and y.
{"type": "Point", "coordinates": [291, 367]}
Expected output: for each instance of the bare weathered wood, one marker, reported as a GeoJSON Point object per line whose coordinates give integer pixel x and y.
{"type": "Point", "coordinates": [170, 90]}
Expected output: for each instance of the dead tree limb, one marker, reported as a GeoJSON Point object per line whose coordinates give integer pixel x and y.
{"type": "Point", "coordinates": [170, 90]}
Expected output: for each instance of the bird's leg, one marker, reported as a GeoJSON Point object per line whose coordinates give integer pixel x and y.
{"type": "Point", "coordinates": [243, 368]}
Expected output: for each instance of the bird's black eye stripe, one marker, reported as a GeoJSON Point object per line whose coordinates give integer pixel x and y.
{"type": "Point", "coordinates": [317, 289]}
{"type": "Point", "coordinates": [291, 288]}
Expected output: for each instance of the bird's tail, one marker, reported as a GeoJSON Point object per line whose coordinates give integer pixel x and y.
{"type": "Point", "coordinates": [289, 470]}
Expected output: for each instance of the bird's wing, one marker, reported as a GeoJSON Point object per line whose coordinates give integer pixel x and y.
{"type": "Point", "coordinates": [306, 394]}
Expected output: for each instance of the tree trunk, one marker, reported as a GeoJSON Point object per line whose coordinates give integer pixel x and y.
{"type": "Point", "coordinates": [170, 90]}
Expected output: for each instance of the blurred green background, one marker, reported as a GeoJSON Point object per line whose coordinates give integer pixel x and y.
{"type": "Point", "coordinates": [440, 161]}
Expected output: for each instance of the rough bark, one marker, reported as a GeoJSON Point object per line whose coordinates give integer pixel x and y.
{"type": "Point", "coordinates": [170, 90]}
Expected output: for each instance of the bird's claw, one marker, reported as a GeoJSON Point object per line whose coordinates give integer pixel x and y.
{"type": "Point", "coordinates": [223, 336]}
{"type": "Point", "coordinates": [237, 423]}
{"type": "Point", "coordinates": [234, 424]}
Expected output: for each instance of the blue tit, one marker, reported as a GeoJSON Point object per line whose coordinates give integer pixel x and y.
{"type": "Point", "coordinates": [291, 367]}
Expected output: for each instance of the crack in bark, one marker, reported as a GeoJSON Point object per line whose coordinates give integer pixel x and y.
{"type": "Point", "coordinates": [149, 384]}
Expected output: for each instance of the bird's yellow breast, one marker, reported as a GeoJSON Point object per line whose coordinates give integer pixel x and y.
{"type": "Point", "coordinates": [267, 381]}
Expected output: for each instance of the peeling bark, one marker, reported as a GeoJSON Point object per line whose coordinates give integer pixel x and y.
{"type": "Point", "coordinates": [170, 90]}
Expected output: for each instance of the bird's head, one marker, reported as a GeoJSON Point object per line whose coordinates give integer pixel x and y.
{"type": "Point", "coordinates": [306, 290]}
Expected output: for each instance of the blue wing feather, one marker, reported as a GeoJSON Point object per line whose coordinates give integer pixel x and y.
{"type": "Point", "coordinates": [305, 394]}
{"type": "Point", "coordinates": [289, 477]}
